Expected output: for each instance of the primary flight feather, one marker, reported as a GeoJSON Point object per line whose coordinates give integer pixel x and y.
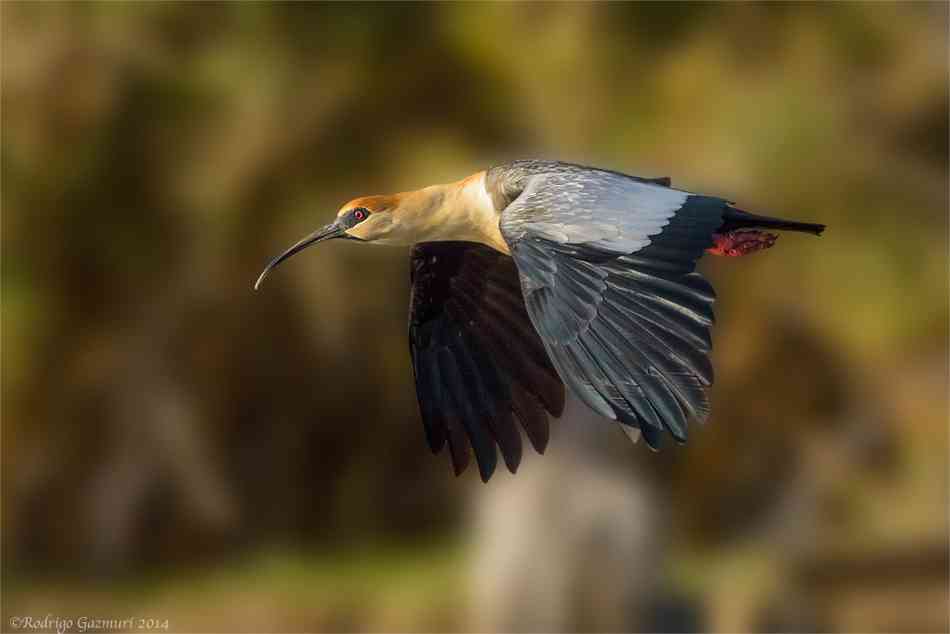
{"type": "Point", "coordinates": [533, 275]}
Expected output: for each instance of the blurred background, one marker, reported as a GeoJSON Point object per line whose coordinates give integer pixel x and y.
{"type": "Point", "coordinates": [178, 447]}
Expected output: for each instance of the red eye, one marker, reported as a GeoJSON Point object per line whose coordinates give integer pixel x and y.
{"type": "Point", "coordinates": [360, 215]}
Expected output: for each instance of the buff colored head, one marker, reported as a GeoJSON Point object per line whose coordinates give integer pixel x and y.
{"type": "Point", "coordinates": [456, 211]}
{"type": "Point", "coordinates": [370, 217]}
{"type": "Point", "coordinates": [373, 219]}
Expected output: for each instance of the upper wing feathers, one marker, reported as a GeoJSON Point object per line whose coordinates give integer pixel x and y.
{"type": "Point", "coordinates": [591, 207]}
{"type": "Point", "coordinates": [607, 267]}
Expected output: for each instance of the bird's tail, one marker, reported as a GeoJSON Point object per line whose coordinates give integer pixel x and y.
{"type": "Point", "coordinates": [734, 219]}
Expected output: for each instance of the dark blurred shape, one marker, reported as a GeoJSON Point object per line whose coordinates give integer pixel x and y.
{"type": "Point", "coordinates": [895, 590]}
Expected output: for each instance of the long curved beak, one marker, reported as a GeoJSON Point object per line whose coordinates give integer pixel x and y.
{"type": "Point", "coordinates": [332, 230]}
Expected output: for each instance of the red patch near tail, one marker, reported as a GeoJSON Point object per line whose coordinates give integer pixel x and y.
{"type": "Point", "coordinates": [742, 242]}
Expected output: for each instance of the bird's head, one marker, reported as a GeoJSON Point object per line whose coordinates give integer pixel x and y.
{"type": "Point", "coordinates": [367, 219]}
{"type": "Point", "coordinates": [455, 211]}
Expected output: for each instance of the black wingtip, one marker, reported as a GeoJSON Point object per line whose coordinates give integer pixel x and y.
{"type": "Point", "coordinates": [556, 406]}
{"type": "Point", "coordinates": [652, 437]}
{"type": "Point", "coordinates": [680, 440]}
{"type": "Point", "coordinates": [487, 462]}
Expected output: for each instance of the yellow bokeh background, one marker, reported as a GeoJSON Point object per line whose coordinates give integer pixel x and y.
{"type": "Point", "coordinates": [179, 447]}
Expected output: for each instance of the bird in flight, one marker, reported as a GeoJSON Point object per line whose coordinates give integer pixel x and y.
{"type": "Point", "coordinates": [535, 275]}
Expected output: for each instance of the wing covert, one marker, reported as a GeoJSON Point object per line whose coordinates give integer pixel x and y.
{"type": "Point", "coordinates": [569, 204]}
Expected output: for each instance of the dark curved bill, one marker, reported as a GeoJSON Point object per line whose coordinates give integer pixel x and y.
{"type": "Point", "coordinates": [332, 230]}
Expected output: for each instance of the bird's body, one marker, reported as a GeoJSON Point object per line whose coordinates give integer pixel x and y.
{"type": "Point", "coordinates": [534, 273]}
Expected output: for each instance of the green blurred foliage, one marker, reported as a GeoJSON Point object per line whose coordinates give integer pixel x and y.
{"type": "Point", "coordinates": [158, 415]}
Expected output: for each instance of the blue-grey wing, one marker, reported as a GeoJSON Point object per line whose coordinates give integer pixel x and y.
{"type": "Point", "coordinates": [600, 209]}
{"type": "Point", "coordinates": [607, 267]}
